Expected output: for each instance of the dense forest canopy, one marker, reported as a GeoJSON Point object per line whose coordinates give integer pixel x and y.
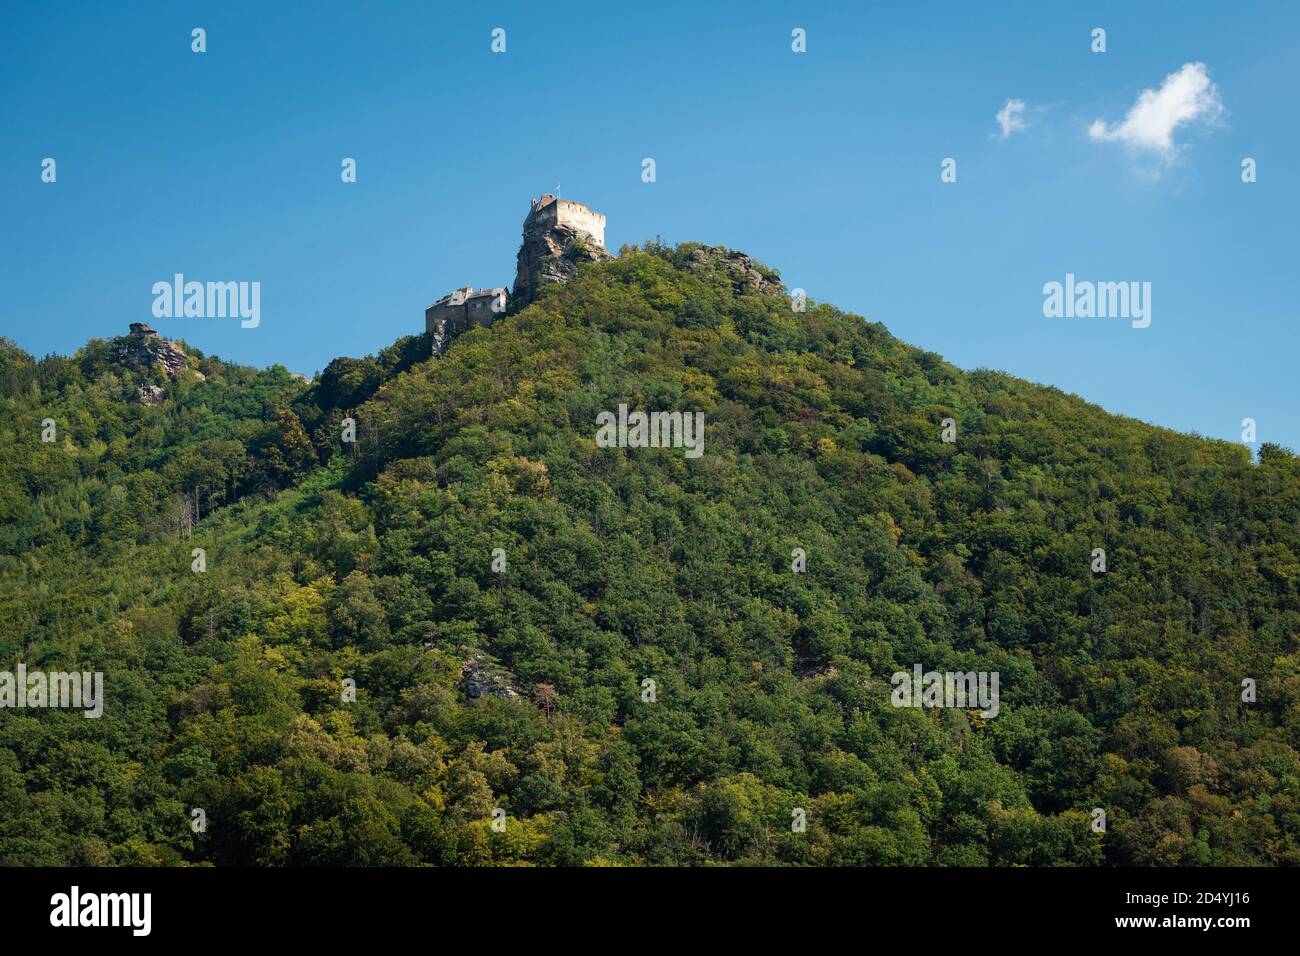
{"type": "Point", "coordinates": [499, 589]}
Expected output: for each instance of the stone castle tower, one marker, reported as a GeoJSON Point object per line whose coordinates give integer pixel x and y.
{"type": "Point", "coordinates": [558, 235]}
{"type": "Point", "coordinates": [551, 211]}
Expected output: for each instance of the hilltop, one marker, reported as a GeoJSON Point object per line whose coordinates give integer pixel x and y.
{"type": "Point", "coordinates": [499, 589]}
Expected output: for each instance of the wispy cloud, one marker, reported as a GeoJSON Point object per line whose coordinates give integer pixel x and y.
{"type": "Point", "coordinates": [1185, 96]}
{"type": "Point", "coordinates": [1012, 117]}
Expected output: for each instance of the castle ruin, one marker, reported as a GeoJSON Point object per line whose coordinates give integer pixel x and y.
{"type": "Point", "coordinates": [558, 235]}
{"type": "Point", "coordinates": [460, 310]}
{"type": "Point", "coordinates": [550, 212]}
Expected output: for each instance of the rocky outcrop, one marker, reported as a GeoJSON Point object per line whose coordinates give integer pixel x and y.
{"type": "Point", "coordinates": [484, 677]}
{"type": "Point", "coordinates": [550, 253]}
{"type": "Point", "coordinates": [145, 348]}
{"type": "Point", "coordinates": [746, 275]}
{"type": "Point", "coordinates": [149, 394]}
{"type": "Point", "coordinates": [144, 351]}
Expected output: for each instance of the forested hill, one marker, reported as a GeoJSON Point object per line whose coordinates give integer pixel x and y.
{"type": "Point", "coordinates": [524, 689]}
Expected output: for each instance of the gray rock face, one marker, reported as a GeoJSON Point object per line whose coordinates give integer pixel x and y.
{"type": "Point", "coordinates": [144, 348]}
{"type": "Point", "coordinates": [551, 253]}
{"type": "Point", "coordinates": [484, 677]}
{"type": "Point", "coordinates": [149, 394]}
{"type": "Point", "coordinates": [746, 274]}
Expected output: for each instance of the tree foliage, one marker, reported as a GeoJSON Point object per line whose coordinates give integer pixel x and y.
{"type": "Point", "coordinates": [502, 717]}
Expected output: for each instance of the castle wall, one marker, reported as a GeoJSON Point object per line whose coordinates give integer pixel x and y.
{"type": "Point", "coordinates": [580, 217]}
{"type": "Point", "coordinates": [566, 212]}
{"type": "Point", "coordinates": [436, 315]}
{"type": "Point", "coordinates": [547, 254]}
{"type": "Point", "coordinates": [445, 320]}
{"type": "Point", "coordinates": [478, 311]}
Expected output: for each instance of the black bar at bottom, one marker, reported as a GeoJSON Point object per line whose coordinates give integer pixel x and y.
{"type": "Point", "coordinates": [205, 905]}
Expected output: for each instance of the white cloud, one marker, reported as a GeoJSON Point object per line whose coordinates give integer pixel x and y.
{"type": "Point", "coordinates": [1149, 125]}
{"type": "Point", "coordinates": [1012, 117]}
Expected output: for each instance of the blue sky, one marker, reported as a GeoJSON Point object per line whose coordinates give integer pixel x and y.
{"type": "Point", "coordinates": [225, 166]}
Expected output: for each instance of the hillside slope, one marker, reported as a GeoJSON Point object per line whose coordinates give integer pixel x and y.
{"type": "Point", "coordinates": [525, 689]}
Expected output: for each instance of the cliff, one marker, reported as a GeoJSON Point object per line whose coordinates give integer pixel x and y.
{"type": "Point", "coordinates": [551, 252]}
{"type": "Point", "coordinates": [144, 349]}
